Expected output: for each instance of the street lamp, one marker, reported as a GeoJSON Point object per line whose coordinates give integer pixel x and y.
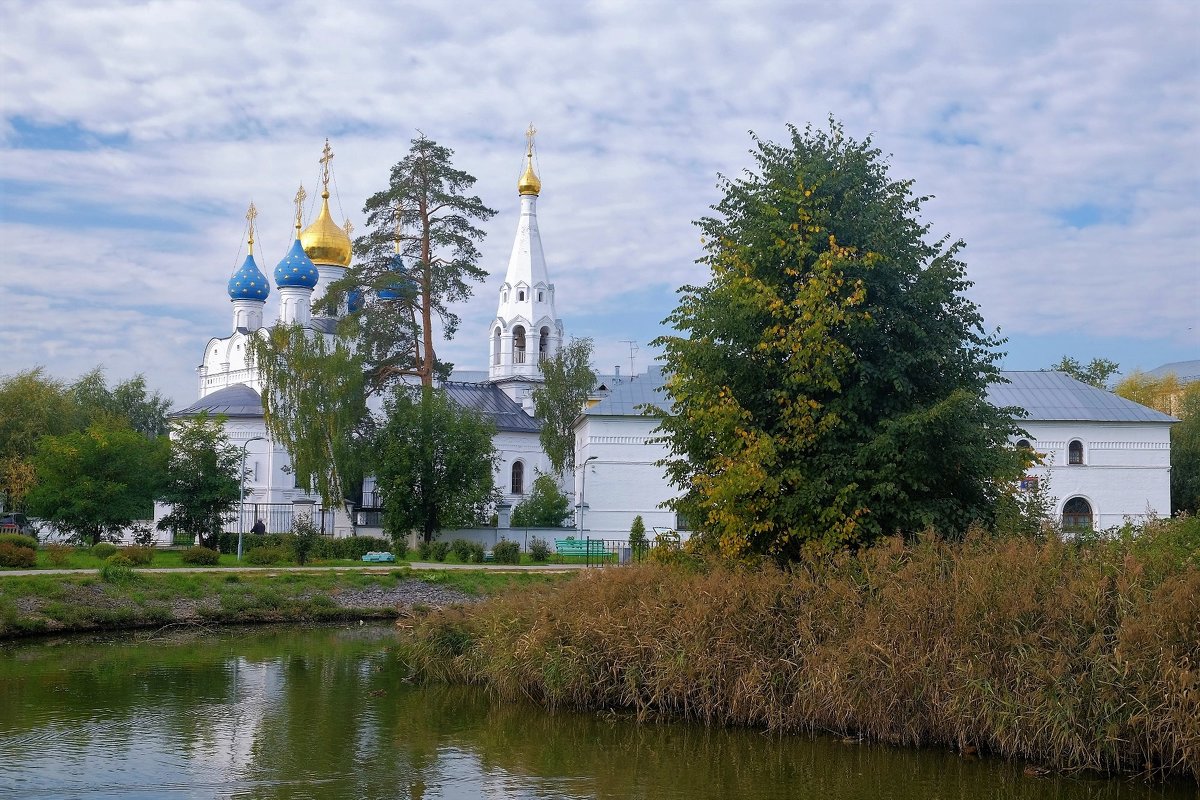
{"type": "Point", "coordinates": [242, 490]}
{"type": "Point", "coordinates": [583, 490]}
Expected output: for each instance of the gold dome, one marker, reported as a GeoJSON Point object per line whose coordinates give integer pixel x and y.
{"type": "Point", "coordinates": [529, 183]}
{"type": "Point", "coordinates": [324, 241]}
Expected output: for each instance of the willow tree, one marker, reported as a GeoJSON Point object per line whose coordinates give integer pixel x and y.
{"type": "Point", "coordinates": [417, 260]}
{"type": "Point", "coordinates": [315, 405]}
{"type": "Point", "coordinates": [827, 383]}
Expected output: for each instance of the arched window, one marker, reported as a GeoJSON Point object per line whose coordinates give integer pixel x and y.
{"type": "Point", "coordinates": [496, 347]}
{"type": "Point", "coordinates": [521, 296]}
{"type": "Point", "coordinates": [541, 296]}
{"type": "Point", "coordinates": [1077, 514]}
{"type": "Point", "coordinates": [1024, 444]}
{"type": "Point", "coordinates": [1075, 452]}
{"type": "Point", "coordinates": [544, 344]}
{"type": "Point", "coordinates": [519, 345]}
{"type": "Point", "coordinates": [518, 478]}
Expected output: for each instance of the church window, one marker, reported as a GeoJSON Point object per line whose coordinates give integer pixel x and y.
{"type": "Point", "coordinates": [521, 296]}
{"type": "Point", "coordinates": [505, 295]}
{"type": "Point", "coordinates": [1024, 445]}
{"type": "Point", "coordinates": [1077, 514]}
{"type": "Point", "coordinates": [1075, 452]}
{"type": "Point", "coordinates": [519, 345]}
{"type": "Point", "coordinates": [496, 347]}
{"type": "Point", "coordinates": [541, 296]}
{"type": "Point", "coordinates": [518, 478]}
{"type": "Point", "coordinates": [544, 344]}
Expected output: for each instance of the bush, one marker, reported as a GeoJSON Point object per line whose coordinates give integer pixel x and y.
{"type": "Point", "coordinates": [539, 549]}
{"type": "Point", "coordinates": [200, 556]}
{"type": "Point", "coordinates": [19, 540]}
{"type": "Point", "coordinates": [12, 555]}
{"type": "Point", "coordinates": [138, 555]}
{"type": "Point", "coordinates": [117, 569]}
{"type": "Point", "coordinates": [462, 550]}
{"type": "Point", "coordinates": [228, 542]}
{"type": "Point", "coordinates": [304, 539]}
{"type": "Point", "coordinates": [507, 553]}
{"type": "Point", "coordinates": [265, 556]}
{"type": "Point", "coordinates": [59, 554]}
{"type": "Point", "coordinates": [439, 550]}
{"type": "Point", "coordinates": [103, 550]}
{"type": "Point", "coordinates": [350, 548]}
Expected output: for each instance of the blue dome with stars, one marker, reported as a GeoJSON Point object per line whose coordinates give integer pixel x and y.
{"type": "Point", "coordinates": [248, 282]}
{"type": "Point", "coordinates": [406, 288]}
{"type": "Point", "coordinates": [354, 300]}
{"type": "Point", "coordinates": [296, 269]}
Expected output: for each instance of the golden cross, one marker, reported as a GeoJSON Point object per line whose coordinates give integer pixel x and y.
{"type": "Point", "coordinates": [251, 214]}
{"type": "Point", "coordinates": [348, 228]}
{"type": "Point", "coordinates": [326, 157]}
{"type": "Point", "coordinates": [529, 139]}
{"type": "Point", "coordinates": [300, 197]}
{"type": "Point", "coordinates": [399, 226]}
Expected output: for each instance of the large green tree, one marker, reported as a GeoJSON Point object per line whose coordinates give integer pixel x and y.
{"type": "Point", "coordinates": [433, 462]}
{"type": "Point", "coordinates": [315, 405]}
{"type": "Point", "coordinates": [1095, 373]}
{"type": "Point", "coordinates": [96, 482]}
{"type": "Point", "coordinates": [546, 506]}
{"type": "Point", "coordinates": [568, 379]}
{"type": "Point", "coordinates": [1185, 452]}
{"type": "Point", "coordinates": [827, 383]}
{"type": "Point", "coordinates": [203, 480]}
{"type": "Point", "coordinates": [418, 259]}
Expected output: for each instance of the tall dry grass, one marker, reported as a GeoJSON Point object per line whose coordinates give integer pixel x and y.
{"type": "Point", "coordinates": [1077, 656]}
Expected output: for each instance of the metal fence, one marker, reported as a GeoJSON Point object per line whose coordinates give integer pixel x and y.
{"type": "Point", "coordinates": [278, 518]}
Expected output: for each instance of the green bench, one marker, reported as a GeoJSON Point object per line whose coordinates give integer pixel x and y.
{"type": "Point", "coordinates": [581, 548]}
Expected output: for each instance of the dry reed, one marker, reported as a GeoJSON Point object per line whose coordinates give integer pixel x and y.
{"type": "Point", "coordinates": [1076, 656]}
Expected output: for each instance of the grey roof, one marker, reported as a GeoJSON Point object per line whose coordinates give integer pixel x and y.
{"type": "Point", "coordinates": [238, 400]}
{"type": "Point", "coordinates": [625, 399]}
{"type": "Point", "coordinates": [1185, 371]}
{"type": "Point", "coordinates": [491, 401]}
{"type": "Point", "coordinates": [1056, 396]}
{"type": "Point", "coordinates": [469, 375]}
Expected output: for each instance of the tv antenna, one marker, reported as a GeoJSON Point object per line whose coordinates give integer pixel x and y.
{"type": "Point", "coordinates": [633, 348]}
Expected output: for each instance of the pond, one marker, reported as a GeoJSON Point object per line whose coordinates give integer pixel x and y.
{"type": "Point", "coordinates": [327, 712]}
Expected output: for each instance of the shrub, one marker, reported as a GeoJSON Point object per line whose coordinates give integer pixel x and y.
{"type": "Point", "coordinates": [425, 551]}
{"type": "Point", "coordinates": [12, 555]}
{"type": "Point", "coordinates": [103, 550]}
{"type": "Point", "coordinates": [439, 550]}
{"type": "Point", "coordinates": [19, 540]}
{"type": "Point", "coordinates": [117, 569]}
{"type": "Point", "coordinates": [477, 552]}
{"type": "Point", "coordinates": [507, 553]}
{"type": "Point", "coordinates": [265, 556]}
{"type": "Point", "coordinates": [539, 549]}
{"type": "Point", "coordinates": [637, 537]}
{"type": "Point", "coordinates": [59, 554]}
{"type": "Point", "coordinates": [304, 539]}
{"type": "Point", "coordinates": [200, 556]}
{"type": "Point", "coordinates": [462, 549]}
{"type": "Point", "coordinates": [138, 555]}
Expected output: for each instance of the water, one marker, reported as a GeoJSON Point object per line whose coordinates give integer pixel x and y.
{"type": "Point", "coordinates": [328, 713]}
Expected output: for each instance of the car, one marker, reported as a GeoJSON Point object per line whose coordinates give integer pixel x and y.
{"type": "Point", "coordinates": [17, 523]}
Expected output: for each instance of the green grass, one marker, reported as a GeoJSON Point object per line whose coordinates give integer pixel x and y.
{"type": "Point", "coordinates": [82, 558]}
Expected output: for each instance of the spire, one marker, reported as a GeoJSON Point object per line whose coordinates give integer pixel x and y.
{"type": "Point", "coordinates": [325, 241]}
{"type": "Point", "coordinates": [529, 183]}
{"type": "Point", "coordinates": [248, 287]}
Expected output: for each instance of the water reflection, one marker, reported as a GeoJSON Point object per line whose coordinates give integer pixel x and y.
{"type": "Point", "coordinates": [326, 712]}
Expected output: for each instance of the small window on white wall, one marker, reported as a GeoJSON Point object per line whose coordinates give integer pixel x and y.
{"type": "Point", "coordinates": [541, 296]}
{"type": "Point", "coordinates": [518, 478]}
{"type": "Point", "coordinates": [1075, 452]}
{"type": "Point", "coordinates": [521, 296]}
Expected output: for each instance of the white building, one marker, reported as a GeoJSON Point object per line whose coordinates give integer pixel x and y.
{"type": "Point", "coordinates": [1105, 459]}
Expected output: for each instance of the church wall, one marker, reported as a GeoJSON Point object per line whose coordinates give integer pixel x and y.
{"type": "Point", "coordinates": [524, 447]}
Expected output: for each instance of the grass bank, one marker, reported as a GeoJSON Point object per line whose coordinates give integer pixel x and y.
{"type": "Point", "coordinates": [1077, 656]}
{"type": "Point", "coordinates": [131, 599]}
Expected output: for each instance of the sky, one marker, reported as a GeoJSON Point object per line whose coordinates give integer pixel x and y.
{"type": "Point", "coordinates": [1060, 141]}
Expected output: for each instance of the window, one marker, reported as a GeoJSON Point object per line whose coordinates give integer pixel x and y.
{"type": "Point", "coordinates": [543, 344]}
{"type": "Point", "coordinates": [521, 296]}
{"type": "Point", "coordinates": [682, 523]}
{"type": "Point", "coordinates": [518, 478]}
{"type": "Point", "coordinates": [519, 345]}
{"type": "Point", "coordinates": [1077, 514]}
{"type": "Point", "coordinates": [1075, 452]}
{"type": "Point", "coordinates": [496, 347]}
{"type": "Point", "coordinates": [541, 296]}
{"type": "Point", "coordinates": [1024, 445]}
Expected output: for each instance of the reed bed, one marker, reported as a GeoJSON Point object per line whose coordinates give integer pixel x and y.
{"type": "Point", "coordinates": [1078, 656]}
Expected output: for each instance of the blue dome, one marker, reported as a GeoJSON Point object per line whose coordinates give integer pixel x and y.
{"type": "Point", "coordinates": [248, 282]}
{"type": "Point", "coordinates": [406, 288]}
{"type": "Point", "coordinates": [354, 300]}
{"type": "Point", "coordinates": [296, 269]}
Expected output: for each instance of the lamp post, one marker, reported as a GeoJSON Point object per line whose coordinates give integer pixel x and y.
{"type": "Point", "coordinates": [242, 490]}
{"type": "Point", "coordinates": [583, 490]}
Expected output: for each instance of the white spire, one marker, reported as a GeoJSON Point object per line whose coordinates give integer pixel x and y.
{"type": "Point", "coordinates": [526, 327]}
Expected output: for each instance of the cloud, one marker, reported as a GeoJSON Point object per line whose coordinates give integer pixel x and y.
{"type": "Point", "coordinates": [1063, 148]}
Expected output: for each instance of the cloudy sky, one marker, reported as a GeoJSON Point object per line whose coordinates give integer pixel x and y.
{"type": "Point", "coordinates": [1060, 140]}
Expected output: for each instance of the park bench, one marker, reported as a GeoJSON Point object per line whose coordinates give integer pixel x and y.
{"type": "Point", "coordinates": [581, 548]}
{"type": "Point", "coordinates": [378, 557]}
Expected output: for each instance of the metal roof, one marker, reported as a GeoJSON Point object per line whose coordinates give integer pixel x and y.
{"type": "Point", "coordinates": [1056, 396]}
{"type": "Point", "coordinates": [238, 400]}
{"type": "Point", "coordinates": [491, 401]}
{"type": "Point", "coordinates": [1185, 371]}
{"type": "Point", "coordinates": [625, 399]}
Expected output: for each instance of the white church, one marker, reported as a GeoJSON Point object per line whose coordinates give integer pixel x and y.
{"type": "Point", "coordinates": [1105, 459]}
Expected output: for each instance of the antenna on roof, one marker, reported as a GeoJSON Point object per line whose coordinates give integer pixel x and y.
{"type": "Point", "coordinates": [633, 348]}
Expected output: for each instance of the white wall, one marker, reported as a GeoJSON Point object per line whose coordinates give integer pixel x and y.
{"type": "Point", "coordinates": [1126, 470]}
{"type": "Point", "coordinates": [623, 481]}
